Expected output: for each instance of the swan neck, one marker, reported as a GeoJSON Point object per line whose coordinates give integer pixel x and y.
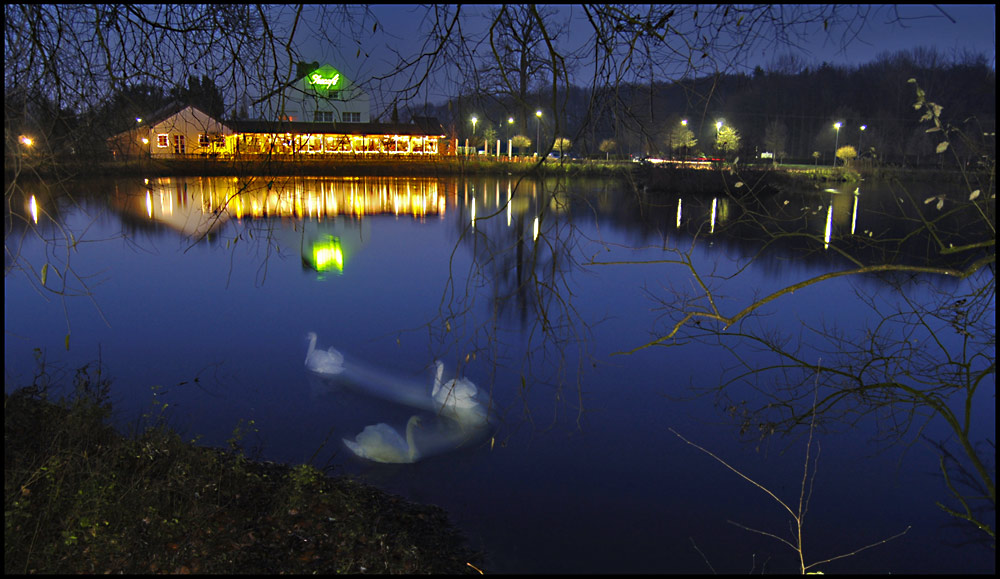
{"type": "Point", "coordinates": [437, 379]}
{"type": "Point", "coordinates": [312, 344]}
{"type": "Point", "coordinates": [409, 437]}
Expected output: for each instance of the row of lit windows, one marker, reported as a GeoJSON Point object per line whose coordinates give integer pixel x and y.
{"type": "Point", "coordinates": [163, 141]}
{"type": "Point", "coordinates": [330, 117]}
{"type": "Point", "coordinates": [180, 145]}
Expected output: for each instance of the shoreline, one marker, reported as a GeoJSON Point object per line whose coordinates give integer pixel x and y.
{"type": "Point", "coordinates": [652, 177]}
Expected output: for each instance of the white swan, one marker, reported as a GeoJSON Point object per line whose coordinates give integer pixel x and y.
{"type": "Point", "coordinates": [328, 361]}
{"type": "Point", "coordinates": [382, 443]}
{"type": "Point", "coordinates": [457, 398]}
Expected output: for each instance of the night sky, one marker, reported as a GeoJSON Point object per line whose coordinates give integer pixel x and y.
{"type": "Point", "coordinates": [951, 29]}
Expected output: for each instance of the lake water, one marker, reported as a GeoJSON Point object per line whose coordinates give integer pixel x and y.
{"type": "Point", "coordinates": [202, 291]}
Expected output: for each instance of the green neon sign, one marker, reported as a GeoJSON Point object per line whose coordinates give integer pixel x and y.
{"type": "Point", "coordinates": [324, 78]}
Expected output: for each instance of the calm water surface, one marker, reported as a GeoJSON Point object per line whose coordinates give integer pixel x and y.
{"type": "Point", "coordinates": [220, 280]}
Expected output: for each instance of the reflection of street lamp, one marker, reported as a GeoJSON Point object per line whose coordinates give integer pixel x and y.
{"type": "Point", "coordinates": [836, 142]}
{"type": "Point", "coordinates": [861, 136]}
{"type": "Point", "coordinates": [538, 128]}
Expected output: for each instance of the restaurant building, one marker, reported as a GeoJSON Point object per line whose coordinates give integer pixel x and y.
{"type": "Point", "coordinates": [322, 114]}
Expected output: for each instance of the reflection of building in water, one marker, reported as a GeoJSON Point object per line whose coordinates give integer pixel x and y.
{"type": "Point", "coordinates": [177, 203]}
{"type": "Point", "coordinates": [196, 206]}
{"type": "Point", "coordinates": [328, 246]}
{"type": "Point", "coordinates": [322, 197]}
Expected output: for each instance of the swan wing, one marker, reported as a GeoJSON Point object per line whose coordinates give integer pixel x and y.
{"type": "Point", "coordinates": [355, 448]}
{"type": "Point", "coordinates": [329, 361]}
{"type": "Point", "coordinates": [380, 443]}
{"type": "Point", "coordinates": [335, 355]}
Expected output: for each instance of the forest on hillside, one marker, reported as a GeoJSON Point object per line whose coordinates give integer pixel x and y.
{"type": "Point", "coordinates": [789, 109]}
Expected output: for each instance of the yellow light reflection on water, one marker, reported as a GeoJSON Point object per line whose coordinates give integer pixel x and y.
{"type": "Point", "coordinates": [315, 198]}
{"type": "Point", "coordinates": [829, 225]}
{"type": "Point", "coordinates": [854, 211]}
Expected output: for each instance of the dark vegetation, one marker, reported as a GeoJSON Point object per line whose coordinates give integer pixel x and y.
{"type": "Point", "coordinates": [81, 498]}
{"type": "Point", "coordinates": [788, 108]}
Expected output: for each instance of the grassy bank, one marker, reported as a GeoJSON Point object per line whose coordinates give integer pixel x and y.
{"type": "Point", "coordinates": [339, 167]}
{"type": "Point", "coordinates": [80, 498]}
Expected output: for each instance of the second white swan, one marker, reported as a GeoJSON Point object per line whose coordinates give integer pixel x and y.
{"type": "Point", "coordinates": [328, 361]}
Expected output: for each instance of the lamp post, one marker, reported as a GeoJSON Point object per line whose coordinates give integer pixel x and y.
{"type": "Point", "coordinates": [836, 142]}
{"type": "Point", "coordinates": [510, 128]}
{"type": "Point", "coordinates": [538, 131]}
{"type": "Point", "coordinates": [474, 121]}
{"type": "Point", "coordinates": [684, 123]}
{"type": "Point", "coordinates": [861, 136]}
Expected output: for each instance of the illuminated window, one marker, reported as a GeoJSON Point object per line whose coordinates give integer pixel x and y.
{"type": "Point", "coordinates": [203, 140]}
{"type": "Point", "coordinates": [352, 117]}
{"type": "Point", "coordinates": [179, 145]}
{"type": "Point", "coordinates": [161, 141]}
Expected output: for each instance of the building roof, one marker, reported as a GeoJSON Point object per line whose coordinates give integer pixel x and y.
{"type": "Point", "coordinates": [163, 113]}
{"type": "Point", "coordinates": [430, 124]}
{"type": "Point", "coordinates": [306, 128]}
{"type": "Point", "coordinates": [171, 109]}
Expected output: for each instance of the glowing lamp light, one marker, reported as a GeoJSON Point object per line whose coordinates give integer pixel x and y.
{"type": "Point", "coordinates": [26, 140]}
{"type": "Point", "coordinates": [836, 142]}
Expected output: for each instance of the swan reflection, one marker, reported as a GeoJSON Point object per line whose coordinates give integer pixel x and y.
{"type": "Point", "coordinates": [456, 415]}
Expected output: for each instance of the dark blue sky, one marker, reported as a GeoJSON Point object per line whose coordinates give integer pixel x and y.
{"type": "Point", "coordinates": [949, 28]}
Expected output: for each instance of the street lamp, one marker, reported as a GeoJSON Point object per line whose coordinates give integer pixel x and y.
{"type": "Point", "coordinates": [510, 129]}
{"type": "Point", "coordinates": [538, 125]}
{"type": "Point", "coordinates": [684, 123]}
{"type": "Point", "coordinates": [836, 142]}
{"type": "Point", "coordinates": [861, 136]}
{"type": "Point", "coordinates": [474, 120]}
{"type": "Point", "coordinates": [718, 127]}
